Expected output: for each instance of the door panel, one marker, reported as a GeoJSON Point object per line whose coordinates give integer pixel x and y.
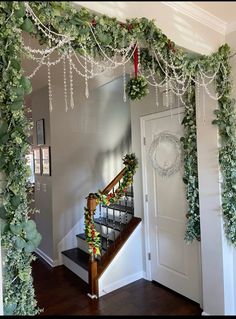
{"type": "Point", "coordinates": [173, 263]}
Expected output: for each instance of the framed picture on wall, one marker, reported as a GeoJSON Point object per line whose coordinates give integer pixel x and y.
{"type": "Point", "coordinates": [46, 160]}
{"type": "Point", "coordinates": [40, 132]}
{"type": "Point", "coordinates": [37, 161]}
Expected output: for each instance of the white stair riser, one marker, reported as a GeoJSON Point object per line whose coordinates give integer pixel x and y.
{"type": "Point", "coordinates": [79, 271]}
{"type": "Point", "coordinates": [82, 244]}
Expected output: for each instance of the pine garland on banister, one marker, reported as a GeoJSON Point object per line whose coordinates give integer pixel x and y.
{"type": "Point", "coordinates": [92, 236]}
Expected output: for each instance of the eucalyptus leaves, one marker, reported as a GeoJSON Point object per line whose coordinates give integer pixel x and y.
{"type": "Point", "coordinates": [19, 236]}
{"type": "Point", "coordinates": [226, 121]}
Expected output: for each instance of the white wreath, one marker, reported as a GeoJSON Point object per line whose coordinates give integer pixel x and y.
{"type": "Point", "coordinates": [167, 169]}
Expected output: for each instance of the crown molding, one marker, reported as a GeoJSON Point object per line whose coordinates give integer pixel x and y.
{"type": "Point", "coordinates": [200, 15]}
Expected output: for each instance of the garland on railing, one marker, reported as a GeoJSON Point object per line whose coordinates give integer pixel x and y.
{"type": "Point", "coordinates": [226, 121]}
{"type": "Point", "coordinates": [92, 236]}
{"type": "Point", "coordinates": [131, 164]}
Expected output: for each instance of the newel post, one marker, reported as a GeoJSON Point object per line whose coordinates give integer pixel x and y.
{"type": "Point", "coordinates": [93, 282]}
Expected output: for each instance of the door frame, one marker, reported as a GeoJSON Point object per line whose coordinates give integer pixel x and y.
{"type": "Point", "coordinates": [146, 221]}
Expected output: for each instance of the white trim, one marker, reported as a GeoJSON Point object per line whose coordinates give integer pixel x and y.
{"type": "Point", "coordinates": [121, 283]}
{"type": "Point", "coordinates": [231, 27]}
{"type": "Point", "coordinates": [50, 261]}
{"type": "Point", "coordinates": [143, 119]}
{"type": "Point", "coordinates": [204, 17]}
{"type": "Point", "coordinates": [1, 280]}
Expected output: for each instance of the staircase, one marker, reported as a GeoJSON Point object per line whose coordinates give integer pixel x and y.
{"type": "Point", "coordinates": [112, 215]}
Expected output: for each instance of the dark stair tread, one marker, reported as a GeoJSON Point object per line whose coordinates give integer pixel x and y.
{"type": "Point", "coordinates": [78, 256]}
{"type": "Point", "coordinates": [104, 240]}
{"type": "Point", "coordinates": [121, 208]}
{"type": "Point", "coordinates": [109, 222]}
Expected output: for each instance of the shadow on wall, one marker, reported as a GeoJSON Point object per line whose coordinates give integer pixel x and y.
{"type": "Point", "coordinates": [88, 155]}
{"type": "Point", "coordinates": [107, 166]}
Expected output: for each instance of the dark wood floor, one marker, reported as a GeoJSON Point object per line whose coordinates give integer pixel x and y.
{"type": "Point", "coordinates": [60, 292]}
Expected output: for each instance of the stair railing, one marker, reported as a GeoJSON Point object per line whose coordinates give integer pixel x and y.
{"type": "Point", "coordinates": [105, 197]}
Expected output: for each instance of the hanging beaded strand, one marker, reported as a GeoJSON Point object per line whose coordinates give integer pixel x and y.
{"type": "Point", "coordinates": [65, 83]}
{"type": "Point", "coordinates": [71, 79]}
{"type": "Point", "coordinates": [49, 85]}
{"type": "Point", "coordinates": [124, 76]}
{"type": "Point", "coordinates": [86, 73]}
{"type": "Point", "coordinates": [197, 85]}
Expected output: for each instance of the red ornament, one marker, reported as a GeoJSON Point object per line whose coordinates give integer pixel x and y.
{"type": "Point", "coordinates": [94, 250]}
{"type": "Point", "coordinates": [136, 61]}
{"type": "Point", "coordinates": [130, 26]}
{"type": "Point", "coordinates": [93, 22]}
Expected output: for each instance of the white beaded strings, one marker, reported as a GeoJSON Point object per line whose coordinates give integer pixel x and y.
{"type": "Point", "coordinates": [174, 74]}
{"type": "Point", "coordinates": [86, 73]}
{"type": "Point", "coordinates": [71, 79]}
{"type": "Point", "coordinates": [65, 83]}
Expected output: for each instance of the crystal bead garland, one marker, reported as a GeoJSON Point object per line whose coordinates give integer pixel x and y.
{"type": "Point", "coordinates": [49, 85]}
{"type": "Point", "coordinates": [124, 84]}
{"type": "Point", "coordinates": [198, 95]}
{"type": "Point", "coordinates": [124, 74]}
{"type": "Point", "coordinates": [65, 83]}
{"type": "Point", "coordinates": [167, 88]}
{"type": "Point", "coordinates": [71, 79]}
{"type": "Point", "coordinates": [86, 73]}
{"type": "Point", "coordinates": [156, 92]}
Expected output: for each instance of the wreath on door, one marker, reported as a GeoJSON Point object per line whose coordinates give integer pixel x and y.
{"type": "Point", "coordinates": [165, 153]}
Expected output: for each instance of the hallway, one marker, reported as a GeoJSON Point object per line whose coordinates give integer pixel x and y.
{"type": "Point", "coordinates": [60, 292]}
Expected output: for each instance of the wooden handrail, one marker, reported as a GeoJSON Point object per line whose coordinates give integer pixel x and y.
{"type": "Point", "coordinates": [109, 187]}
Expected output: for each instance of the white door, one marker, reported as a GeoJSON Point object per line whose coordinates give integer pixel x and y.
{"type": "Point", "coordinates": [173, 263]}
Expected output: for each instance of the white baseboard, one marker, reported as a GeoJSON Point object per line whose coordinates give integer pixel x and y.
{"type": "Point", "coordinates": [50, 261]}
{"type": "Point", "coordinates": [121, 283]}
{"type": "Point", "coordinates": [205, 313]}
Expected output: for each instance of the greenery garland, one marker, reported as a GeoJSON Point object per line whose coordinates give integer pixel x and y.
{"type": "Point", "coordinates": [19, 234]}
{"type": "Point", "coordinates": [190, 178]}
{"type": "Point", "coordinates": [92, 236]}
{"type": "Point", "coordinates": [14, 128]}
{"type": "Point", "coordinates": [226, 121]}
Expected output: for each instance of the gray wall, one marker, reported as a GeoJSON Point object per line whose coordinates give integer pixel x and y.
{"type": "Point", "coordinates": [43, 184]}
{"type": "Point", "coordinates": [87, 146]}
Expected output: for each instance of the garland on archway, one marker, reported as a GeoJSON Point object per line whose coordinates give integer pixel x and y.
{"type": "Point", "coordinates": [226, 121]}
{"type": "Point", "coordinates": [95, 41]}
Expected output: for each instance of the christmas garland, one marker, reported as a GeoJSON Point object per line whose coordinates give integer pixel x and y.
{"type": "Point", "coordinates": [19, 236]}
{"type": "Point", "coordinates": [14, 127]}
{"type": "Point", "coordinates": [92, 236]}
{"type": "Point", "coordinates": [226, 121]}
{"type": "Point", "coordinates": [190, 178]}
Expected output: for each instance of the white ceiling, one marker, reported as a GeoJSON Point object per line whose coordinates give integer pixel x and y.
{"type": "Point", "coordinates": [223, 10]}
